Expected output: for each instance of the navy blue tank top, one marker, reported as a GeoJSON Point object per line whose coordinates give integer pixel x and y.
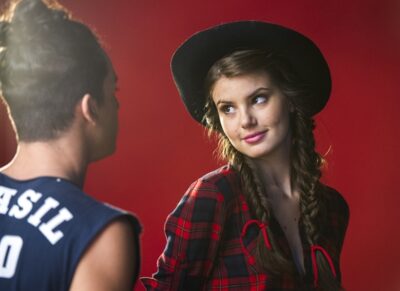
{"type": "Point", "coordinates": [46, 224]}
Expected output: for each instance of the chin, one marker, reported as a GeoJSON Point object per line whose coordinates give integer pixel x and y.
{"type": "Point", "coordinates": [262, 154]}
{"type": "Point", "coordinates": [256, 155]}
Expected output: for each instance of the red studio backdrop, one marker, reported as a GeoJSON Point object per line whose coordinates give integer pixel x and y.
{"type": "Point", "coordinates": [161, 150]}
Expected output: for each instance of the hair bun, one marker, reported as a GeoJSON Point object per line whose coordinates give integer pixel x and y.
{"type": "Point", "coordinates": [29, 11]}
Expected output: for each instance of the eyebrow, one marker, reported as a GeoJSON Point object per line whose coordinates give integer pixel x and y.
{"type": "Point", "coordinates": [255, 92]}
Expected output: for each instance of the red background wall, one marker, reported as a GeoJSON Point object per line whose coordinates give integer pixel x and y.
{"type": "Point", "coordinates": [161, 150]}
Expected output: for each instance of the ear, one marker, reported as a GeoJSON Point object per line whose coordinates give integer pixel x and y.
{"type": "Point", "coordinates": [88, 107]}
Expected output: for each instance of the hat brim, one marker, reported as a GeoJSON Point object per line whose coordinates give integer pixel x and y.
{"type": "Point", "coordinates": [193, 59]}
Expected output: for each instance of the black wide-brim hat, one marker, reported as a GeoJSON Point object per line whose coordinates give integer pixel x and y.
{"type": "Point", "coordinates": [193, 59]}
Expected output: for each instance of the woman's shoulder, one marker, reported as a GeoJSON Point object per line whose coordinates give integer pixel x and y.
{"type": "Point", "coordinates": [333, 195]}
{"type": "Point", "coordinates": [222, 184]}
{"type": "Point", "coordinates": [336, 211]}
{"type": "Point", "coordinates": [226, 172]}
{"type": "Point", "coordinates": [335, 202]}
{"type": "Point", "coordinates": [208, 198]}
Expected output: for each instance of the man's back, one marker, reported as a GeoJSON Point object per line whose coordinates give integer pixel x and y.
{"type": "Point", "coordinates": [46, 224]}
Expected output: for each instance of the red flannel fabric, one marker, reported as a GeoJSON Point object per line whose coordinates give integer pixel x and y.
{"type": "Point", "coordinates": [211, 241]}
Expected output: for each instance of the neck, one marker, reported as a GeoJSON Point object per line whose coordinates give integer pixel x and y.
{"type": "Point", "coordinates": [274, 170]}
{"type": "Point", "coordinates": [57, 158]}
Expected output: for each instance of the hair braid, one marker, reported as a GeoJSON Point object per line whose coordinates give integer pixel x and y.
{"type": "Point", "coordinates": [306, 165]}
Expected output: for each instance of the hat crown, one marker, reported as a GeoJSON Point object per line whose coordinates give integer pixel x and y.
{"type": "Point", "coordinates": [193, 59]}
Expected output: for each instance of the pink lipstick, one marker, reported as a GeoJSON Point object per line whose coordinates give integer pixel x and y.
{"type": "Point", "coordinates": [255, 137]}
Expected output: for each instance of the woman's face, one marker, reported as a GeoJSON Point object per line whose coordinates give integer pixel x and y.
{"type": "Point", "coordinates": [254, 114]}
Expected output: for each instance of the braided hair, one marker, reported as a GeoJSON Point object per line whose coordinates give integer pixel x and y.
{"type": "Point", "coordinates": [305, 161]}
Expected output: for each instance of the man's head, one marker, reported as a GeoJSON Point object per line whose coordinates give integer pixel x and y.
{"type": "Point", "coordinates": [48, 63]}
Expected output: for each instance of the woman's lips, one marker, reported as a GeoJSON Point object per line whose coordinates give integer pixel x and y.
{"type": "Point", "coordinates": [255, 137]}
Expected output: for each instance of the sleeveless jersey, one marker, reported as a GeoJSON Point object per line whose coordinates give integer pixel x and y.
{"type": "Point", "coordinates": [46, 224]}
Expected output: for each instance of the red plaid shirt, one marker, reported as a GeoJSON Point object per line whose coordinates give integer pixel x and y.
{"type": "Point", "coordinates": [211, 239]}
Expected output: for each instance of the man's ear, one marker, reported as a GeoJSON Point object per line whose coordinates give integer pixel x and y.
{"type": "Point", "coordinates": [89, 108]}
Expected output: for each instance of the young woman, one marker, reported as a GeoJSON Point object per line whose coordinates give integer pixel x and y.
{"type": "Point", "coordinates": [264, 221]}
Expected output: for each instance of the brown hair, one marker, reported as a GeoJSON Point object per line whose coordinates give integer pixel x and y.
{"type": "Point", "coordinates": [305, 161]}
{"type": "Point", "coordinates": [48, 62]}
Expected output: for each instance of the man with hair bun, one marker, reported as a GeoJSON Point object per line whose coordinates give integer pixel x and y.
{"type": "Point", "coordinates": [59, 87]}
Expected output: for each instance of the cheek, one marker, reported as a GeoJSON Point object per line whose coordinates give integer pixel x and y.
{"type": "Point", "coordinates": [278, 116]}
{"type": "Point", "coordinates": [228, 126]}
{"type": "Point", "coordinates": [281, 122]}
{"type": "Point", "coordinates": [276, 121]}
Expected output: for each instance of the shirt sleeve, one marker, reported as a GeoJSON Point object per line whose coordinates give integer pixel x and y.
{"type": "Point", "coordinates": [193, 232]}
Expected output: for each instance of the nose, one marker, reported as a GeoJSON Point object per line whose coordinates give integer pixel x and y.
{"type": "Point", "coordinates": [247, 120]}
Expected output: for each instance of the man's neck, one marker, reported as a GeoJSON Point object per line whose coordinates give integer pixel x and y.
{"type": "Point", "coordinates": [58, 158]}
